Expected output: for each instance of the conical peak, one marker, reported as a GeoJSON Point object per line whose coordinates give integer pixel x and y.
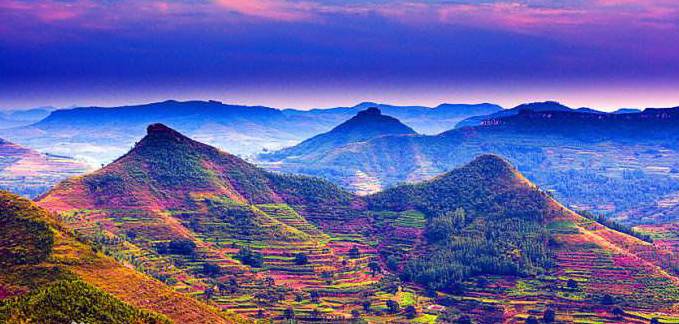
{"type": "Point", "coordinates": [370, 112]}
{"type": "Point", "coordinates": [155, 129]}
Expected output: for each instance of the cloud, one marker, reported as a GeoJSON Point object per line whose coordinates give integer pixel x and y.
{"type": "Point", "coordinates": [272, 9]}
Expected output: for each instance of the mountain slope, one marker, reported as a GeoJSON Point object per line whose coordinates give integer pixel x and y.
{"type": "Point", "coordinates": [485, 219]}
{"type": "Point", "coordinates": [193, 216]}
{"type": "Point", "coordinates": [30, 173]}
{"type": "Point", "coordinates": [53, 277]}
{"type": "Point", "coordinates": [479, 216]}
{"type": "Point", "coordinates": [209, 224]}
{"type": "Point", "coordinates": [366, 125]}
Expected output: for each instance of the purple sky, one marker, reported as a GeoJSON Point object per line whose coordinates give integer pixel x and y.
{"type": "Point", "coordinates": [319, 53]}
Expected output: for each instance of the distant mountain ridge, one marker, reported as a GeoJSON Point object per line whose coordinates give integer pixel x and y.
{"type": "Point", "coordinates": [159, 112]}
{"type": "Point", "coordinates": [30, 173]}
{"type": "Point", "coordinates": [366, 125]}
{"type": "Point", "coordinates": [100, 134]}
{"type": "Point", "coordinates": [425, 120]}
{"type": "Point", "coordinates": [16, 118]}
{"type": "Point", "coordinates": [590, 159]}
{"type": "Point", "coordinates": [651, 124]}
{"type": "Point", "coordinates": [534, 106]}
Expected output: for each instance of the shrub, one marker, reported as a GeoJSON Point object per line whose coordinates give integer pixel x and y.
{"type": "Point", "coordinates": [250, 257]}
{"type": "Point", "coordinates": [301, 259]}
{"type": "Point", "coordinates": [393, 306]}
{"type": "Point", "coordinates": [549, 315]}
{"type": "Point", "coordinates": [411, 312]}
{"type": "Point", "coordinates": [354, 253]}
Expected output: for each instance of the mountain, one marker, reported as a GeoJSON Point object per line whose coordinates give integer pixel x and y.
{"type": "Point", "coordinates": [534, 106]}
{"type": "Point", "coordinates": [650, 125]}
{"type": "Point", "coordinates": [366, 125]}
{"type": "Point", "coordinates": [277, 246]}
{"type": "Point", "coordinates": [604, 163]}
{"type": "Point", "coordinates": [425, 120]}
{"type": "Point", "coordinates": [49, 276]}
{"type": "Point", "coordinates": [485, 219]}
{"type": "Point", "coordinates": [191, 216]}
{"type": "Point", "coordinates": [167, 170]}
{"type": "Point", "coordinates": [627, 111]}
{"type": "Point", "coordinates": [98, 135]}
{"type": "Point", "coordinates": [30, 173]}
{"type": "Point", "coordinates": [16, 118]}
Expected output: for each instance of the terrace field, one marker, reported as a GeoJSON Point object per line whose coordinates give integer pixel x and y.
{"type": "Point", "coordinates": [273, 246]}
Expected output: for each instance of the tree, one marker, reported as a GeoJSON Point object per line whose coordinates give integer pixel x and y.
{"type": "Point", "coordinates": [374, 267]}
{"type": "Point", "coordinates": [464, 319]}
{"type": "Point", "coordinates": [392, 263]}
{"type": "Point", "coordinates": [301, 259]}
{"type": "Point", "coordinates": [393, 306]}
{"type": "Point", "coordinates": [618, 312]}
{"type": "Point", "coordinates": [607, 300]}
{"type": "Point", "coordinates": [180, 247]}
{"type": "Point", "coordinates": [411, 312]}
{"type": "Point", "coordinates": [327, 276]}
{"type": "Point", "coordinates": [366, 305]}
{"type": "Point", "coordinates": [289, 313]}
{"type": "Point", "coordinates": [209, 292]}
{"type": "Point", "coordinates": [572, 284]}
{"type": "Point", "coordinates": [250, 257]}
{"type": "Point", "coordinates": [210, 269]}
{"type": "Point", "coordinates": [531, 320]}
{"type": "Point", "coordinates": [315, 296]}
{"type": "Point", "coordinates": [354, 253]}
{"type": "Point", "coordinates": [355, 314]}
{"type": "Point", "coordinates": [655, 320]}
{"type": "Point", "coordinates": [549, 315]}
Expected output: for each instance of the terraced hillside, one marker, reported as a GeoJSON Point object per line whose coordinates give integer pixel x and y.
{"type": "Point", "coordinates": [30, 173]}
{"type": "Point", "coordinates": [528, 254]}
{"type": "Point", "coordinates": [211, 225]}
{"type": "Point", "coordinates": [481, 241]}
{"type": "Point", "coordinates": [49, 276]}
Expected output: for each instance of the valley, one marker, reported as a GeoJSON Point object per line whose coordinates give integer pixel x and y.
{"type": "Point", "coordinates": [30, 173]}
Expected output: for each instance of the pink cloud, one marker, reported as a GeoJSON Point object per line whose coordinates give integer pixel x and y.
{"type": "Point", "coordinates": [271, 9]}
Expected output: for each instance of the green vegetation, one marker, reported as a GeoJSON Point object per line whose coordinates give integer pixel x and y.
{"type": "Point", "coordinates": [603, 220]}
{"type": "Point", "coordinates": [481, 220]}
{"type": "Point", "coordinates": [26, 236]}
{"type": "Point", "coordinates": [72, 301]}
{"type": "Point", "coordinates": [250, 257]}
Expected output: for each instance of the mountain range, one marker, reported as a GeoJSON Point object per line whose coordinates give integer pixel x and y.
{"type": "Point", "coordinates": [17, 118]}
{"type": "Point", "coordinates": [479, 243]}
{"type": "Point", "coordinates": [98, 135]}
{"type": "Point", "coordinates": [601, 162]}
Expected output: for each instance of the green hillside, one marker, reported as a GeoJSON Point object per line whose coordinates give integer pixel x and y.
{"type": "Point", "coordinates": [480, 241]}
{"type": "Point", "coordinates": [46, 292]}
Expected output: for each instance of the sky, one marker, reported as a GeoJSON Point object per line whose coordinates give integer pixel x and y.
{"type": "Point", "coordinates": [604, 54]}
